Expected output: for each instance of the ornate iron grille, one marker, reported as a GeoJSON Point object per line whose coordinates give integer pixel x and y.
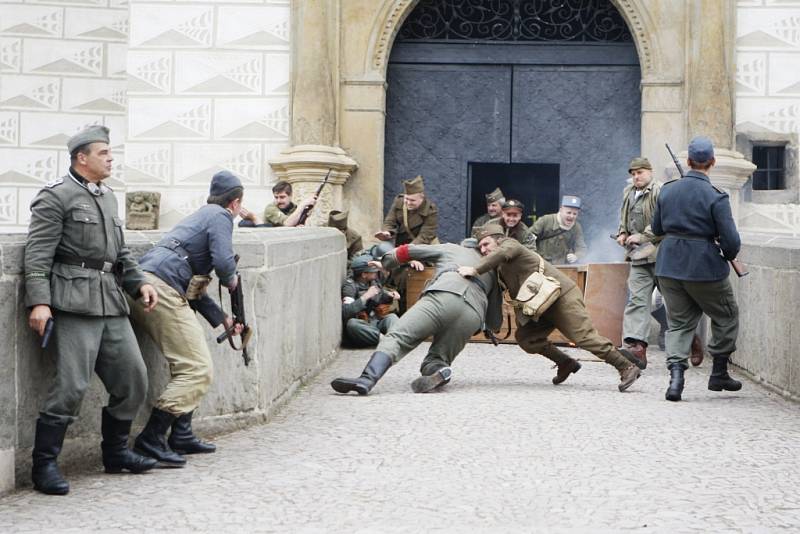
{"type": "Point", "coordinates": [516, 20]}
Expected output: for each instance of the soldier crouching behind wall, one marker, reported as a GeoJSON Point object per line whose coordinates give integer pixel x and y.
{"type": "Point", "coordinates": [366, 305]}
{"type": "Point", "coordinates": [76, 269]}
{"type": "Point", "coordinates": [178, 267]}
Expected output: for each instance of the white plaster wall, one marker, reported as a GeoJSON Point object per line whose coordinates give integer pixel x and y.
{"type": "Point", "coordinates": [768, 91]}
{"type": "Point", "coordinates": [187, 88]}
{"type": "Point", "coordinates": [62, 67]}
{"type": "Point", "coordinates": [208, 86]}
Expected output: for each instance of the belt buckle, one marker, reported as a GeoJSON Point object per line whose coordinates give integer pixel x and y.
{"type": "Point", "coordinates": [107, 266]}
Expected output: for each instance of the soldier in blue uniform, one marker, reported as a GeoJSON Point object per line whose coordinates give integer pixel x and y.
{"type": "Point", "coordinates": [692, 268]}
{"type": "Point", "coordinates": [76, 269]}
{"type": "Point", "coordinates": [178, 267]}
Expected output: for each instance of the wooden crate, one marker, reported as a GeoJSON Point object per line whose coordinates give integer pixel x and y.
{"type": "Point", "coordinates": [604, 286]}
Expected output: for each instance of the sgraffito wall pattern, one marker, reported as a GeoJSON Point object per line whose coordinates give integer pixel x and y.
{"type": "Point", "coordinates": [62, 67]}
{"type": "Point", "coordinates": [768, 91]}
{"type": "Point", "coordinates": [187, 88]}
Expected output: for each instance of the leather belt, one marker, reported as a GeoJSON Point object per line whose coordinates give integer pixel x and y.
{"type": "Point", "coordinates": [89, 263]}
{"type": "Point", "coordinates": [690, 237]}
{"type": "Point", "coordinates": [175, 246]}
{"type": "Point", "coordinates": [478, 282]}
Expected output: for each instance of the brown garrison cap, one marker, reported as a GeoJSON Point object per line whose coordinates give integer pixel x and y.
{"type": "Point", "coordinates": [413, 186]}
{"type": "Point", "coordinates": [514, 204]}
{"type": "Point", "coordinates": [338, 219]}
{"type": "Point", "coordinates": [489, 229]}
{"type": "Point", "coordinates": [91, 134]}
{"type": "Point", "coordinates": [639, 163]}
{"type": "Point", "coordinates": [495, 196]}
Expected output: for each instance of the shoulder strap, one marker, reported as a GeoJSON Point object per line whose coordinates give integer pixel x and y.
{"type": "Point", "coordinates": [405, 221]}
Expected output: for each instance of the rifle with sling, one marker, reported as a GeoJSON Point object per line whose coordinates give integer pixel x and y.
{"type": "Point", "coordinates": [237, 311]}
{"type": "Point", "coordinates": [307, 209]}
{"type": "Point", "coordinates": [738, 267]}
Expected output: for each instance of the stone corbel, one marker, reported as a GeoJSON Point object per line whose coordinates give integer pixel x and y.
{"type": "Point", "coordinates": [305, 167]}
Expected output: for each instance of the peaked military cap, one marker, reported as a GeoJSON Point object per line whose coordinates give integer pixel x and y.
{"type": "Point", "coordinates": [514, 204]}
{"type": "Point", "coordinates": [489, 229]}
{"type": "Point", "coordinates": [639, 163]}
{"type": "Point", "coordinates": [701, 149]}
{"type": "Point", "coordinates": [415, 185]}
{"type": "Point", "coordinates": [91, 134]}
{"type": "Point", "coordinates": [361, 265]}
{"type": "Point", "coordinates": [338, 219]}
{"type": "Point", "coordinates": [495, 196]}
{"type": "Point", "coordinates": [570, 201]}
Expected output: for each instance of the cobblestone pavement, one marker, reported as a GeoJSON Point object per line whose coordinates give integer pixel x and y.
{"type": "Point", "coordinates": [500, 450]}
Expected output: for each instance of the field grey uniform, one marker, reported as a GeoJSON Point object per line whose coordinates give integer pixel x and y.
{"type": "Point", "coordinates": [70, 225]}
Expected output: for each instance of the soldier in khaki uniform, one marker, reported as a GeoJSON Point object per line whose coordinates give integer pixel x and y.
{"type": "Point", "coordinates": [494, 209]}
{"type": "Point", "coordinates": [338, 219]}
{"type": "Point", "coordinates": [451, 310]}
{"type": "Point", "coordinates": [638, 204]}
{"type": "Point", "coordinates": [282, 212]}
{"type": "Point", "coordinates": [513, 227]}
{"type": "Point", "coordinates": [412, 218]}
{"type": "Point", "coordinates": [514, 264]}
{"type": "Point", "coordinates": [76, 270]}
{"type": "Point", "coordinates": [559, 236]}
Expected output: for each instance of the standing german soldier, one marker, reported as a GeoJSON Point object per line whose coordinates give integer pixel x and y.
{"type": "Point", "coordinates": [76, 269]}
{"type": "Point", "coordinates": [559, 236]}
{"type": "Point", "coordinates": [700, 237]}
{"type": "Point", "coordinates": [638, 204]}
{"type": "Point", "coordinates": [178, 267]}
{"type": "Point", "coordinates": [515, 264]}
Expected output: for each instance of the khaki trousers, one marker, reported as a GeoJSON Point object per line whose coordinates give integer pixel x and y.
{"type": "Point", "coordinates": [636, 321]}
{"type": "Point", "coordinates": [174, 327]}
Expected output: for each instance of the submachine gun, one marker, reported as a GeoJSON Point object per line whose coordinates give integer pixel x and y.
{"type": "Point", "coordinates": [738, 267]}
{"type": "Point", "coordinates": [307, 209]}
{"type": "Point", "coordinates": [237, 311]}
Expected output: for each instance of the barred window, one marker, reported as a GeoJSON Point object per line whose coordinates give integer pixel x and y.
{"type": "Point", "coordinates": [770, 168]}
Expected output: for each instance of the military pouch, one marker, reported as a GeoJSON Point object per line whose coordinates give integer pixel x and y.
{"type": "Point", "coordinates": [537, 293]}
{"type": "Point", "coordinates": [197, 286]}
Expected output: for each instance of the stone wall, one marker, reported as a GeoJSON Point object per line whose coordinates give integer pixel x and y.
{"type": "Point", "coordinates": [291, 279]}
{"type": "Point", "coordinates": [769, 337]}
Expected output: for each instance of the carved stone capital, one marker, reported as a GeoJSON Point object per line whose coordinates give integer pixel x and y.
{"type": "Point", "coordinates": [305, 167]}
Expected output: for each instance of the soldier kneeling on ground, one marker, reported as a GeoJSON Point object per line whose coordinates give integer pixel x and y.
{"type": "Point", "coordinates": [366, 304]}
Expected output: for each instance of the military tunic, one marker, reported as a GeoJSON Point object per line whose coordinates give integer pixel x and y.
{"type": "Point", "coordinates": [423, 223]}
{"type": "Point", "coordinates": [451, 308]}
{"type": "Point", "coordinates": [196, 245]}
{"type": "Point", "coordinates": [554, 243]}
{"type": "Point", "coordinates": [277, 216]}
{"type": "Point", "coordinates": [700, 237]}
{"type": "Point", "coordinates": [92, 332]}
{"type": "Point", "coordinates": [636, 215]}
{"type": "Point", "coordinates": [514, 264]}
{"type": "Point", "coordinates": [480, 221]}
{"type": "Point", "coordinates": [362, 325]}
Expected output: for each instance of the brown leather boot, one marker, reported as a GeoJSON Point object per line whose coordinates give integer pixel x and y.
{"type": "Point", "coordinates": [565, 369]}
{"type": "Point", "coordinates": [697, 351]}
{"type": "Point", "coordinates": [628, 376]}
{"type": "Point", "coordinates": [628, 372]}
{"type": "Point", "coordinates": [638, 349]}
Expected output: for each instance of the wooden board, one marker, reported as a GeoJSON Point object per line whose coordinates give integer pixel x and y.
{"type": "Point", "coordinates": [604, 286]}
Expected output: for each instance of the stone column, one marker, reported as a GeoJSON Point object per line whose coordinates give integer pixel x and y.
{"type": "Point", "coordinates": [710, 75]}
{"type": "Point", "coordinates": [314, 135]}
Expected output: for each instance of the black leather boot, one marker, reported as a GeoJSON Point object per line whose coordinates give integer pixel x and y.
{"type": "Point", "coordinates": [720, 379]}
{"type": "Point", "coordinates": [182, 439]}
{"type": "Point", "coordinates": [47, 445]}
{"type": "Point", "coordinates": [377, 366]}
{"type": "Point", "coordinates": [676, 382]}
{"type": "Point", "coordinates": [432, 377]}
{"type": "Point", "coordinates": [152, 441]}
{"type": "Point", "coordinates": [116, 454]}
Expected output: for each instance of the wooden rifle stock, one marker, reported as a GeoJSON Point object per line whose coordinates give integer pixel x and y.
{"type": "Point", "coordinates": [307, 209]}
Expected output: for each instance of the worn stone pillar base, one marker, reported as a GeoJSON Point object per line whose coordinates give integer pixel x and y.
{"type": "Point", "coordinates": [305, 167]}
{"type": "Point", "coordinates": [6, 470]}
{"type": "Point", "coordinates": [730, 173]}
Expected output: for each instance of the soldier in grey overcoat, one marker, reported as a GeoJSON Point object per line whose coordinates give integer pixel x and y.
{"type": "Point", "coordinates": [451, 310]}
{"type": "Point", "coordinates": [77, 269]}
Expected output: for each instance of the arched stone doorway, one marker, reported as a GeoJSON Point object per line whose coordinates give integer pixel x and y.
{"type": "Point", "coordinates": [540, 97]}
